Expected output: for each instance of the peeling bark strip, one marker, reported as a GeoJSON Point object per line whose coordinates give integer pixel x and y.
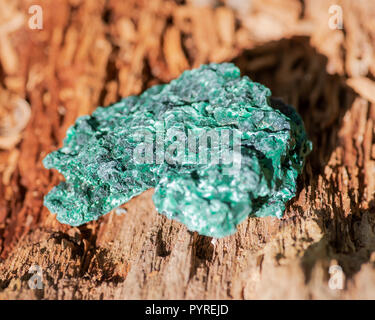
{"type": "Point", "coordinates": [94, 52]}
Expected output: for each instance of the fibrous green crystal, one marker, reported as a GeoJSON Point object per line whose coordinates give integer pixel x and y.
{"type": "Point", "coordinates": [209, 142]}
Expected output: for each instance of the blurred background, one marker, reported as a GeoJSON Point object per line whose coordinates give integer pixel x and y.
{"type": "Point", "coordinates": [61, 59]}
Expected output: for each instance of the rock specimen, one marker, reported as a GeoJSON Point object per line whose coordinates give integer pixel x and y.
{"type": "Point", "coordinates": [209, 142]}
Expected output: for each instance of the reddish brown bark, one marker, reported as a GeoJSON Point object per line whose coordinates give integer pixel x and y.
{"type": "Point", "coordinates": [94, 52]}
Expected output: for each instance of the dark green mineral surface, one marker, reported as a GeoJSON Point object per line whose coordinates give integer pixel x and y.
{"type": "Point", "coordinates": [213, 144]}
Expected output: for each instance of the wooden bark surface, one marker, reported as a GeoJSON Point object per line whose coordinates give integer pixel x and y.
{"type": "Point", "coordinates": [94, 52]}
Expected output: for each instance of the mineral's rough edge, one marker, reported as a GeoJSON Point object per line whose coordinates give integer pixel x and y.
{"type": "Point", "coordinates": [97, 156]}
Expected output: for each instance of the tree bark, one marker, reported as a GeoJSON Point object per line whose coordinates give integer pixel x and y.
{"type": "Point", "coordinates": [92, 53]}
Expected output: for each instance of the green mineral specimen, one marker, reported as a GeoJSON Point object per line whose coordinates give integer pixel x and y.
{"type": "Point", "coordinates": [214, 145]}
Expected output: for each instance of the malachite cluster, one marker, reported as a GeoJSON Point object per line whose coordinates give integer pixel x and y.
{"type": "Point", "coordinates": [131, 146]}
